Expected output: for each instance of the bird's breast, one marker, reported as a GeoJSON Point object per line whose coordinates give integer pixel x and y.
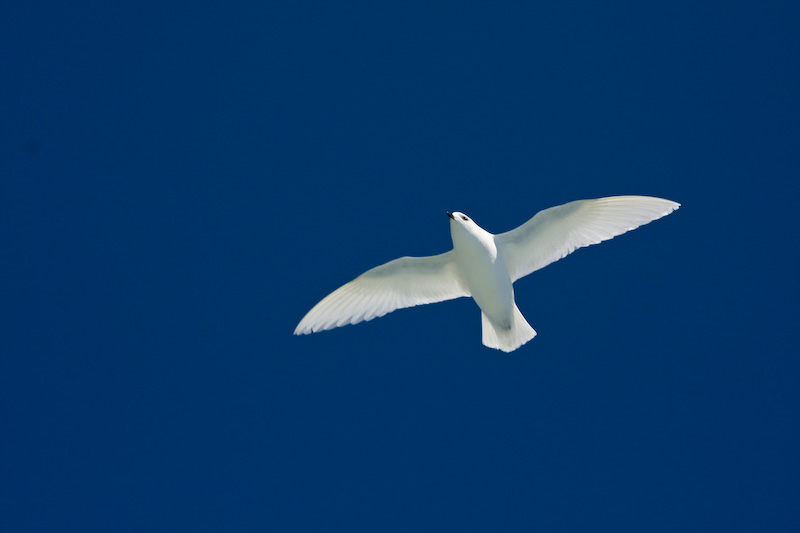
{"type": "Point", "coordinates": [486, 276]}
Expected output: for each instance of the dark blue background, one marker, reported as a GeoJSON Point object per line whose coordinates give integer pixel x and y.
{"type": "Point", "coordinates": [180, 183]}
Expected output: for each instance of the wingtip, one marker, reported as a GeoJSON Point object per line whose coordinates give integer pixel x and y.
{"type": "Point", "coordinates": [668, 204]}
{"type": "Point", "coordinates": [673, 206]}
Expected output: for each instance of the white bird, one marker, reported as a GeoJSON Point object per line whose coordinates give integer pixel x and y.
{"type": "Point", "coordinates": [484, 266]}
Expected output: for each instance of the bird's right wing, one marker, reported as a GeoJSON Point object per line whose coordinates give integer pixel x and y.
{"type": "Point", "coordinates": [404, 282]}
{"type": "Point", "coordinates": [559, 231]}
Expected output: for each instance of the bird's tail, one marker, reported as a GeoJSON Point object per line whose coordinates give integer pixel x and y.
{"type": "Point", "coordinates": [509, 339]}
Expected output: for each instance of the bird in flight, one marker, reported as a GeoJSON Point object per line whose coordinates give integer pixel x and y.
{"type": "Point", "coordinates": [485, 266]}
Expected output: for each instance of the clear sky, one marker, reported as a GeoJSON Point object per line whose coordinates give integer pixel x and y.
{"type": "Point", "coordinates": [181, 182]}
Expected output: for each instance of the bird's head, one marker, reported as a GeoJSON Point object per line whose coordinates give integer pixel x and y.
{"type": "Point", "coordinates": [458, 217]}
{"type": "Point", "coordinates": [461, 223]}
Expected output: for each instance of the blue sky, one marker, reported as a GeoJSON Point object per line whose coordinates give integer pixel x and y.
{"type": "Point", "coordinates": [180, 183]}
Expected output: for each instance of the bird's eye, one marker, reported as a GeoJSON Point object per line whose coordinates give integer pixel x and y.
{"type": "Point", "coordinates": [464, 218]}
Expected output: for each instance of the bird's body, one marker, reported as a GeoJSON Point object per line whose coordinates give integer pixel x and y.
{"type": "Point", "coordinates": [484, 266]}
{"type": "Point", "coordinates": [489, 283]}
{"type": "Point", "coordinates": [484, 271]}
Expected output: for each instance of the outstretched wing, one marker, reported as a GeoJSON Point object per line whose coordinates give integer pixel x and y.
{"type": "Point", "coordinates": [404, 282]}
{"type": "Point", "coordinates": [556, 232]}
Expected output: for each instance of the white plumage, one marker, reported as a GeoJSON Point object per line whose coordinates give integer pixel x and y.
{"type": "Point", "coordinates": [484, 266]}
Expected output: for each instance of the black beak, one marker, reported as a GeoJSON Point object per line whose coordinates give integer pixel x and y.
{"type": "Point", "coordinates": [449, 214]}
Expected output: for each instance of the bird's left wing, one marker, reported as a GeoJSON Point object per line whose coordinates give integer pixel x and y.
{"type": "Point", "coordinates": [404, 282]}
{"type": "Point", "coordinates": [559, 231]}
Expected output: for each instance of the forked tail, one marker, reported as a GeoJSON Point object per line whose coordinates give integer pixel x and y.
{"type": "Point", "coordinates": [509, 339]}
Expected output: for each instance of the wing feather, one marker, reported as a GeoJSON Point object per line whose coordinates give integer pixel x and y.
{"type": "Point", "coordinates": [556, 232]}
{"type": "Point", "coordinates": [401, 283]}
